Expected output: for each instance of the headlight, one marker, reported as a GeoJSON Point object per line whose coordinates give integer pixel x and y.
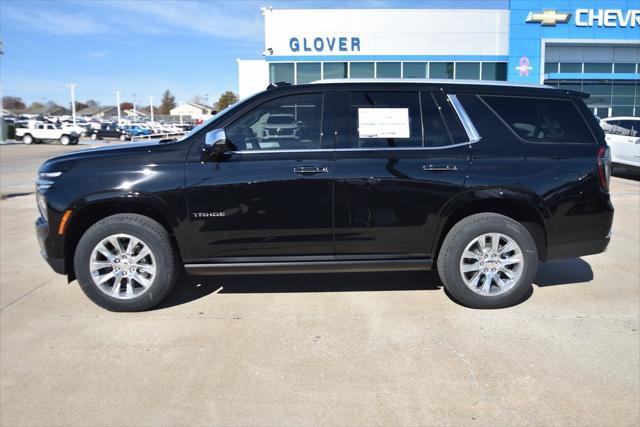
{"type": "Point", "coordinates": [44, 182]}
{"type": "Point", "coordinates": [46, 175]}
{"type": "Point", "coordinates": [42, 206]}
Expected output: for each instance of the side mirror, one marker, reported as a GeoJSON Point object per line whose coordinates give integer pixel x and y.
{"type": "Point", "coordinates": [216, 145]}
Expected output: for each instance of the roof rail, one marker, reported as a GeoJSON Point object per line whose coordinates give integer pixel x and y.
{"type": "Point", "coordinates": [436, 81]}
{"type": "Point", "coordinates": [277, 84]}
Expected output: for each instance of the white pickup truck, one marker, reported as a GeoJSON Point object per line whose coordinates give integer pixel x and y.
{"type": "Point", "coordinates": [37, 132]}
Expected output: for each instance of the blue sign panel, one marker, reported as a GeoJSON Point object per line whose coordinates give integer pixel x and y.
{"type": "Point", "coordinates": [532, 21]}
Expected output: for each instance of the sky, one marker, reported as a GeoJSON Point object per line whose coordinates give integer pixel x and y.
{"type": "Point", "coordinates": [139, 48]}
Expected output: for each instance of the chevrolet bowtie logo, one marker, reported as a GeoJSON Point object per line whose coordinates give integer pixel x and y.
{"type": "Point", "coordinates": [549, 17]}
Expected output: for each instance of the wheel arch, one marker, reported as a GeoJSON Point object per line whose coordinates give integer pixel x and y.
{"type": "Point", "coordinates": [524, 207]}
{"type": "Point", "coordinates": [90, 213]}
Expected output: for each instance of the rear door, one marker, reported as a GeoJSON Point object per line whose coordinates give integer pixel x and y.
{"type": "Point", "coordinates": [394, 171]}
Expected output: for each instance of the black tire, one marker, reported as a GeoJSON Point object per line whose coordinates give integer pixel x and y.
{"type": "Point", "coordinates": [462, 234]}
{"type": "Point", "coordinates": [154, 236]}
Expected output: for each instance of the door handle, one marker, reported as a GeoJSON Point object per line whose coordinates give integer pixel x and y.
{"type": "Point", "coordinates": [439, 168]}
{"type": "Point", "coordinates": [310, 170]}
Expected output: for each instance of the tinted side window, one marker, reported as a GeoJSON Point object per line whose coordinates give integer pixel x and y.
{"type": "Point", "coordinates": [609, 126]}
{"type": "Point", "coordinates": [385, 119]}
{"type": "Point", "coordinates": [288, 123]}
{"type": "Point", "coordinates": [436, 133]}
{"type": "Point", "coordinates": [542, 119]}
{"type": "Point", "coordinates": [629, 128]}
{"type": "Point", "coordinates": [451, 119]}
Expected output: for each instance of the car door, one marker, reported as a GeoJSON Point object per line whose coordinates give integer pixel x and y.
{"type": "Point", "coordinates": [271, 198]}
{"type": "Point", "coordinates": [394, 172]}
{"type": "Point", "coordinates": [628, 141]}
{"type": "Point", "coordinates": [51, 132]}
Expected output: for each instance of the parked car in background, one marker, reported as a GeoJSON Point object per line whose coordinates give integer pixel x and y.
{"type": "Point", "coordinates": [71, 128]}
{"type": "Point", "coordinates": [37, 132]}
{"type": "Point", "coordinates": [482, 180]}
{"type": "Point", "coordinates": [107, 131]}
{"type": "Point", "coordinates": [623, 138]}
{"type": "Point", "coordinates": [135, 130]}
{"type": "Point", "coordinates": [280, 126]}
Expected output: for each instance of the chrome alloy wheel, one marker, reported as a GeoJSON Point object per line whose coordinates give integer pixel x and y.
{"type": "Point", "coordinates": [122, 266]}
{"type": "Point", "coordinates": [491, 264]}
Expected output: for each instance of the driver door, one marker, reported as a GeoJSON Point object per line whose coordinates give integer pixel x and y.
{"type": "Point", "coordinates": [271, 197]}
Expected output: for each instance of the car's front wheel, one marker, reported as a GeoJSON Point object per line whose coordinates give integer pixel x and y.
{"type": "Point", "coordinates": [93, 136]}
{"type": "Point", "coordinates": [27, 139]}
{"type": "Point", "coordinates": [126, 262]}
{"type": "Point", "coordinates": [65, 140]}
{"type": "Point", "coordinates": [488, 260]}
{"type": "Point", "coordinates": [123, 137]}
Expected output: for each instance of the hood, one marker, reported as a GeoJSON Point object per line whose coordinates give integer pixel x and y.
{"type": "Point", "coordinates": [64, 162]}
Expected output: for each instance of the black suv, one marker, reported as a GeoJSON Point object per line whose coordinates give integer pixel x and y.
{"type": "Point", "coordinates": [481, 180]}
{"type": "Point", "coordinates": [108, 131]}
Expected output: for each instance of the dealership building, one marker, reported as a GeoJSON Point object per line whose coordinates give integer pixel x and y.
{"type": "Point", "coordinates": [591, 46]}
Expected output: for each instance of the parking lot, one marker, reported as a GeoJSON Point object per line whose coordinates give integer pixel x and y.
{"type": "Point", "coordinates": [348, 349]}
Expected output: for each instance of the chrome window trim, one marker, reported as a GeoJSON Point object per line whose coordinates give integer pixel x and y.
{"type": "Point", "coordinates": [469, 128]}
{"type": "Point", "coordinates": [318, 150]}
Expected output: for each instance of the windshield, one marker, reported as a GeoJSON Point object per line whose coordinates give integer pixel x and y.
{"type": "Point", "coordinates": [215, 117]}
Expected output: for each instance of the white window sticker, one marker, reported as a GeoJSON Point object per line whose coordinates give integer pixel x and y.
{"type": "Point", "coordinates": [383, 123]}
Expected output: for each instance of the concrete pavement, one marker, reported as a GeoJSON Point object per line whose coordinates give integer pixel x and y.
{"type": "Point", "coordinates": [340, 349]}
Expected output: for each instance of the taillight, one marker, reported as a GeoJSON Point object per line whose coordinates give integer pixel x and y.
{"type": "Point", "coordinates": [604, 167]}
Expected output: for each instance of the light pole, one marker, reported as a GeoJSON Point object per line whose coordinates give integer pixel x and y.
{"type": "Point", "coordinates": [72, 89]}
{"type": "Point", "coordinates": [151, 106]}
{"type": "Point", "coordinates": [118, 105]}
{"type": "Point", "coordinates": [134, 106]}
{"type": "Point", "coordinates": [181, 104]}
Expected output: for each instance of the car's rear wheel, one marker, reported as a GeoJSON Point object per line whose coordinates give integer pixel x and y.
{"type": "Point", "coordinates": [27, 139]}
{"type": "Point", "coordinates": [65, 140]}
{"type": "Point", "coordinates": [126, 262]}
{"type": "Point", "coordinates": [488, 260]}
{"type": "Point", "coordinates": [123, 137]}
{"type": "Point", "coordinates": [93, 136]}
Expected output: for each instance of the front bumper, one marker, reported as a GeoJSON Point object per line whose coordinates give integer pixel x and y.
{"type": "Point", "coordinates": [42, 231]}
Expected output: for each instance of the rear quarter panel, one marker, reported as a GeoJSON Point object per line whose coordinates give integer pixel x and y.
{"type": "Point", "coordinates": [559, 180]}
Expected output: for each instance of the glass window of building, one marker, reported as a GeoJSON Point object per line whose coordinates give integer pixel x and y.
{"type": "Point", "coordinates": [414, 70]}
{"type": "Point", "coordinates": [334, 70]}
{"type": "Point", "coordinates": [623, 94]}
{"type": "Point", "coordinates": [307, 72]}
{"type": "Point", "coordinates": [494, 71]}
{"type": "Point", "coordinates": [624, 68]}
{"type": "Point", "coordinates": [361, 70]}
{"type": "Point", "coordinates": [570, 67]}
{"type": "Point", "coordinates": [570, 86]}
{"type": "Point", "coordinates": [388, 70]}
{"type": "Point", "coordinates": [621, 111]}
{"type": "Point", "coordinates": [468, 70]}
{"type": "Point", "coordinates": [597, 67]}
{"type": "Point", "coordinates": [441, 70]}
{"type": "Point", "coordinates": [600, 93]}
{"type": "Point", "coordinates": [550, 67]}
{"type": "Point", "coordinates": [281, 72]}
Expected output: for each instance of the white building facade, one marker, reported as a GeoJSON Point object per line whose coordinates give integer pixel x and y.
{"type": "Point", "coordinates": [594, 49]}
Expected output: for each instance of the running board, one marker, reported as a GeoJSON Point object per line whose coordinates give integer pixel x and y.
{"type": "Point", "coordinates": [308, 267]}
